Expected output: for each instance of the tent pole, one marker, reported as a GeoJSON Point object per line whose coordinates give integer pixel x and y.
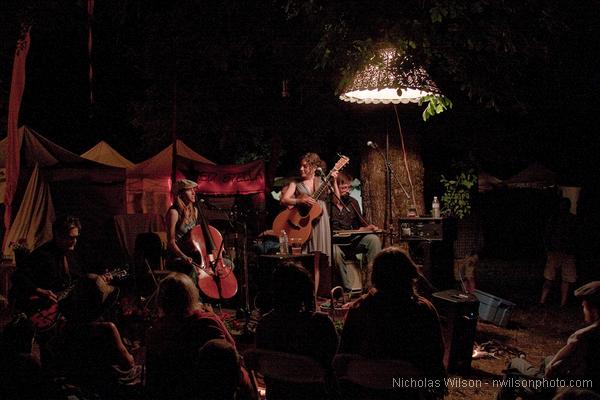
{"type": "Point", "coordinates": [174, 137]}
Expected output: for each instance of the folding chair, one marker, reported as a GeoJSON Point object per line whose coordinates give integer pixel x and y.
{"type": "Point", "coordinates": [359, 377]}
{"type": "Point", "coordinates": [289, 376]}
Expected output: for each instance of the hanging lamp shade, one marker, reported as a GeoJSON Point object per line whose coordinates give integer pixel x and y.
{"type": "Point", "coordinates": [390, 78]}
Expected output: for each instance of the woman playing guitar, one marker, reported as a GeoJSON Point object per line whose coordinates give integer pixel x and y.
{"type": "Point", "coordinates": [299, 194]}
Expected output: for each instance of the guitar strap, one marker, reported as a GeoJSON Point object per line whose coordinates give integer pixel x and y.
{"type": "Point", "coordinates": [65, 268]}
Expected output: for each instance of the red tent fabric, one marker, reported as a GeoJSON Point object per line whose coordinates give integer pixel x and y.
{"type": "Point", "coordinates": [149, 182]}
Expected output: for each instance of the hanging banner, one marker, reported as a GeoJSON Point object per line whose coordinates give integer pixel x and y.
{"type": "Point", "coordinates": [231, 179]}
{"type": "Point", "coordinates": [15, 137]}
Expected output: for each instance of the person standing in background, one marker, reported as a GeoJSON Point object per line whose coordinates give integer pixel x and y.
{"type": "Point", "coordinates": [559, 240]}
{"type": "Point", "coordinates": [467, 247]}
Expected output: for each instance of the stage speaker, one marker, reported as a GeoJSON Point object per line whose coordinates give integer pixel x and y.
{"type": "Point", "coordinates": [317, 264]}
{"type": "Point", "coordinates": [458, 316]}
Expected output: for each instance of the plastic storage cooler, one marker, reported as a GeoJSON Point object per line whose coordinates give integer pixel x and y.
{"type": "Point", "coordinates": [493, 308]}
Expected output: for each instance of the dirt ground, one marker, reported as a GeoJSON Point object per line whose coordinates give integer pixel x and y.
{"type": "Point", "coordinates": [534, 330]}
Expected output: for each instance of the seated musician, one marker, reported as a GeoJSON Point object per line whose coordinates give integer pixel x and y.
{"type": "Point", "coordinates": [347, 216]}
{"type": "Point", "coordinates": [181, 218]}
{"type": "Point", "coordinates": [183, 256]}
{"type": "Point", "coordinates": [50, 268]}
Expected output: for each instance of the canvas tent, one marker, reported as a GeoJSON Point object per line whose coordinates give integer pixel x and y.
{"type": "Point", "coordinates": [149, 182]}
{"type": "Point", "coordinates": [487, 182]}
{"type": "Point", "coordinates": [3, 145]}
{"type": "Point", "coordinates": [53, 180]}
{"type": "Point", "coordinates": [105, 154]}
{"type": "Point", "coordinates": [534, 176]}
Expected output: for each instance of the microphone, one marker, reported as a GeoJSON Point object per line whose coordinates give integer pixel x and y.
{"type": "Point", "coordinates": [207, 204]}
{"type": "Point", "coordinates": [319, 171]}
{"type": "Point", "coordinates": [372, 144]}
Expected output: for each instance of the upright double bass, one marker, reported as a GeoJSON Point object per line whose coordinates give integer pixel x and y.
{"type": "Point", "coordinates": [216, 279]}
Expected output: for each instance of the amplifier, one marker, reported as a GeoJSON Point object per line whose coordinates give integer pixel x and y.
{"type": "Point", "coordinates": [458, 317]}
{"type": "Point", "coordinates": [419, 228]}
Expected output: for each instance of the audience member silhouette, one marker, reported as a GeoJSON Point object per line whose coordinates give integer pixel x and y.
{"type": "Point", "coordinates": [88, 351]}
{"type": "Point", "coordinates": [218, 370]}
{"type": "Point", "coordinates": [293, 326]}
{"type": "Point", "coordinates": [393, 322]}
{"type": "Point", "coordinates": [21, 375]}
{"type": "Point", "coordinates": [173, 344]}
{"type": "Point", "coordinates": [576, 394]}
{"type": "Point", "coordinates": [577, 360]}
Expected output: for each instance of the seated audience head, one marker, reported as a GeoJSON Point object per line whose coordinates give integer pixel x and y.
{"type": "Point", "coordinates": [65, 232]}
{"type": "Point", "coordinates": [293, 288]}
{"type": "Point", "coordinates": [590, 296]}
{"type": "Point", "coordinates": [576, 394]}
{"type": "Point", "coordinates": [218, 370]}
{"type": "Point", "coordinates": [394, 272]}
{"type": "Point", "coordinates": [178, 296]}
{"type": "Point", "coordinates": [90, 299]}
{"type": "Point", "coordinates": [17, 335]}
{"type": "Point", "coordinates": [564, 205]}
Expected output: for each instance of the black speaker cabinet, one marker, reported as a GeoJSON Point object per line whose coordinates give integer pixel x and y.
{"type": "Point", "coordinates": [317, 264]}
{"type": "Point", "coordinates": [458, 316]}
{"type": "Point", "coordinates": [424, 228]}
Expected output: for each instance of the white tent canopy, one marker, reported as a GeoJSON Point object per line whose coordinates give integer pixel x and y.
{"type": "Point", "coordinates": [106, 154]}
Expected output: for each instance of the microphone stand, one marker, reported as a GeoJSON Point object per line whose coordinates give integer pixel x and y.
{"type": "Point", "coordinates": [331, 245]}
{"type": "Point", "coordinates": [245, 309]}
{"type": "Point", "coordinates": [388, 183]}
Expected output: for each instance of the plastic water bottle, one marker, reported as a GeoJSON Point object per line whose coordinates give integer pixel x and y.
{"type": "Point", "coordinates": [435, 208]}
{"type": "Point", "coordinates": [283, 242]}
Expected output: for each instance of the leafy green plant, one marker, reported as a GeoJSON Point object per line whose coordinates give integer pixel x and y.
{"type": "Point", "coordinates": [435, 105]}
{"type": "Point", "coordinates": [456, 199]}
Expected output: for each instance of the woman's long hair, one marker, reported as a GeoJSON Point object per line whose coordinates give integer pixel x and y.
{"type": "Point", "coordinates": [178, 296]}
{"type": "Point", "coordinates": [293, 288]}
{"type": "Point", "coordinates": [394, 272]}
{"type": "Point", "coordinates": [313, 160]}
{"type": "Point", "coordinates": [188, 211]}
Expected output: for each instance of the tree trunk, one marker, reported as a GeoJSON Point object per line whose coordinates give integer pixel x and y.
{"type": "Point", "coordinates": [373, 173]}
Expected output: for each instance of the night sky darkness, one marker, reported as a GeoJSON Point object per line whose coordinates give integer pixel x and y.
{"type": "Point", "coordinates": [224, 68]}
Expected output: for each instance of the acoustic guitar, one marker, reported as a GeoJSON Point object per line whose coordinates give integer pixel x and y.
{"type": "Point", "coordinates": [297, 221]}
{"type": "Point", "coordinates": [44, 316]}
